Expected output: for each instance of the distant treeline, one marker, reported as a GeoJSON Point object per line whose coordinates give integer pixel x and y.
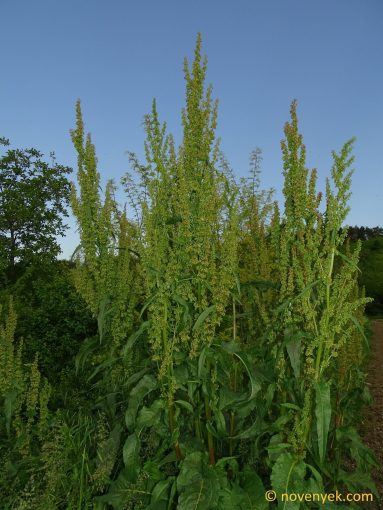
{"type": "Point", "coordinates": [370, 264]}
{"type": "Point", "coordinates": [364, 233]}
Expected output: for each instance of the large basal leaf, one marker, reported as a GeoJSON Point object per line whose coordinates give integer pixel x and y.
{"type": "Point", "coordinates": [233, 498]}
{"type": "Point", "coordinates": [253, 490]}
{"type": "Point", "coordinates": [130, 453]}
{"type": "Point", "coordinates": [288, 477]}
{"type": "Point", "coordinates": [323, 415]}
{"type": "Point", "coordinates": [198, 484]}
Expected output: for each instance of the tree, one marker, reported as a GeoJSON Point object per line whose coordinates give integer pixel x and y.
{"type": "Point", "coordinates": [34, 196]}
{"type": "Point", "coordinates": [364, 233]}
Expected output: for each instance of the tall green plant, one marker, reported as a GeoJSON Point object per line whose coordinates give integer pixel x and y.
{"type": "Point", "coordinates": [190, 227]}
{"type": "Point", "coordinates": [316, 317]}
{"type": "Point", "coordinates": [107, 274]}
{"type": "Point", "coordinates": [24, 419]}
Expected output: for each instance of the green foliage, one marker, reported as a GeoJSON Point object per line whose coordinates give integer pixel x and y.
{"type": "Point", "coordinates": [52, 318]}
{"type": "Point", "coordinates": [33, 200]}
{"type": "Point", "coordinates": [24, 419]}
{"type": "Point", "coordinates": [370, 277]}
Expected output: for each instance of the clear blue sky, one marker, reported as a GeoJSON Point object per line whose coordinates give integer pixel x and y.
{"type": "Point", "coordinates": [117, 55]}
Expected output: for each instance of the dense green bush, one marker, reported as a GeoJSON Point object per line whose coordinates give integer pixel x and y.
{"type": "Point", "coordinates": [52, 318]}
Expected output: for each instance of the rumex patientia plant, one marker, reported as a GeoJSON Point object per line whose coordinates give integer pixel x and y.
{"type": "Point", "coordinates": [317, 314]}
{"type": "Point", "coordinates": [190, 225]}
{"type": "Point", "coordinates": [225, 322]}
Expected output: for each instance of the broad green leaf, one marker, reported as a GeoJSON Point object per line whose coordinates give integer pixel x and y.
{"type": "Point", "coordinates": [198, 484]}
{"type": "Point", "coordinates": [288, 477]}
{"type": "Point", "coordinates": [130, 453]}
{"type": "Point", "coordinates": [253, 489]}
{"type": "Point", "coordinates": [147, 384]}
{"type": "Point", "coordinates": [181, 375]}
{"type": "Point", "coordinates": [245, 493]}
{"type": "Point", "coordinates": [148, 416]}
{"type": "Point", "coordinates": [172, 495]}
{"type": "Point", "coordinates": [277, 446]}
{"type": "Point", "coordinates": [233, 498]}
{"type": "Point", "coordinates": [280, 422]}
{"type": "Point", "coordinates": [323, 415]}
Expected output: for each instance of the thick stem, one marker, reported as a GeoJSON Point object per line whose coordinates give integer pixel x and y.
{"type": "Point", "coordinates": [172, 424]}
{"type": "Point", "coordinates": [172, 429]}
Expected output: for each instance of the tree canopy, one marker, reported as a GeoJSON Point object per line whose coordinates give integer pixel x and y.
{"type": "Point", "coordinates": [34, 196]}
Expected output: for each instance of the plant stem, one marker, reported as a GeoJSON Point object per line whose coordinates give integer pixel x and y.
{"type": "Point", "coordinates": [210, 439]}
{"type": "Point", "coordinates": [234, 383]}
{"type": "Point", "coordinates": [172, 424]}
